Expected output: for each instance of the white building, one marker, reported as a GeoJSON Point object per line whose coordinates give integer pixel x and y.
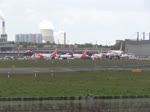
{"type": "Point", "coordinates": [47, 31]}
{"type": "Point", "coordinates": [47, 35]}
{"type": "Point", "coordinates": [29, 38]}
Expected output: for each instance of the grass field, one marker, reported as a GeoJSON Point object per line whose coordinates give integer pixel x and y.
{"type": "Point", "coordinates": [75, 84]}
{"type": "Point", "coordinates": [61, 63]}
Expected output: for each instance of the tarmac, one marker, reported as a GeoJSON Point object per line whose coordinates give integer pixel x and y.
{"type": "Point", "coordinates": [72, 69]}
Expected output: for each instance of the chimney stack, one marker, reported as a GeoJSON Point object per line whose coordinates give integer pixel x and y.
{"type": "Point", "coordinates": [64, 38]}
{"type": "Point", "coordinates": [143, 35]}
{"type": "Point", "coordinates": [3, 27]}
{"type": "Point", "coordinates": [137, 36]}
{"type": "Point", "coordinates": [3, 35]}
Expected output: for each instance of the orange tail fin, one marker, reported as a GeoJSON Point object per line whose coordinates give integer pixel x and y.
{"type": "Point", "coordinates": [84, 54]}
{"type": "Point", "coordinates": [54, 53]}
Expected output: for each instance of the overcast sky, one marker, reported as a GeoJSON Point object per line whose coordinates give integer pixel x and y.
{"type": "Point", "coordinates": [84, 21]}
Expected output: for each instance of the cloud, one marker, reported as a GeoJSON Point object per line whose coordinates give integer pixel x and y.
{"type": "Point", "coordinates": [32, 14]}
{"type": "Point", "coordinates": [45, 24]}
{"type": "Point", "coordinates": [4, 5]}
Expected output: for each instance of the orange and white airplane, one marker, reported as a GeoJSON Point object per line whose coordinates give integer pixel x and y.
{"type": "Point", "coordinates": [44, 55]}
{"type": "Point", "coordinates": [65, 56]}
{"type": "Point", "coordinates": [115, 52]}
{"type": "Point", "coordinates": [80, 56]}
{"type": "Point", "coordinates": [98, 55]}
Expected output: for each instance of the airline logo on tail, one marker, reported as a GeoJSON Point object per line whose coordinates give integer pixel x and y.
{"type": "Point", "coordinates": [84, 54]}
{"type": "Point", "coordinates": [54, 54]}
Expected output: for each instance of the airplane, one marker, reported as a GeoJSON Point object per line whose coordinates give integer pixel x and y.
{"type": "Point", "coordinates": [97, 55]}
{"type": "Point", "coordinates": [80, 56]}
{"type": "Point", "coordinates": [115, 53]}
{"type": "Point", "coordinates": [44, 55]}
{"type": "Point", "coordinates": [65, 56]}
{"type": "Point", "coordinates": [73, 55]}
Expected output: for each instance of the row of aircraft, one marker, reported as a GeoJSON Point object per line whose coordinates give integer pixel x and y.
{"type": "Point", "coordinates": [63, 56]}
{"type": "Point", "coordinates": [54, 55]}
{"type": "Point", "coordinates": [110, 54]}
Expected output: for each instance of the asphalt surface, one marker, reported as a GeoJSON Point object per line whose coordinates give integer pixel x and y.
{"type": "Point", "coordinates": [72, 69]}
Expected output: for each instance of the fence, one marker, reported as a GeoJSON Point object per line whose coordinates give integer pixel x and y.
{"type": "Point", "coordinates": [77, 104]}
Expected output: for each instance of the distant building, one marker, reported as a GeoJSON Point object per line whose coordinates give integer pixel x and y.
{"type": "Point", "coordinates": [47, 35]}
{"type": "Point", "coordinates": [118, 41]}
{"type": "Point", "coordinates": [140, 48]}
{"type": "Point", "coordinates": [29, 38]}
{"type": "Point", "coordinates": [47, 31]}
{"type": "Point", "coordinates": [3, 40]}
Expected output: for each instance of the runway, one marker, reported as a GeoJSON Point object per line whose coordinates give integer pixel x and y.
{"type": "Point", "coordinates": [72, 69]}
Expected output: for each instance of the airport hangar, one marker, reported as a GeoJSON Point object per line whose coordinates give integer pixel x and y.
{"type": "Point", "coordinates": [140, 48]}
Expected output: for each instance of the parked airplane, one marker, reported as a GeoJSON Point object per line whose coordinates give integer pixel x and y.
{"type": "Point", "coordinates": [115, 53]}
{"type": "Point", "coordinates": [73, 55]}
{"type": "Point", "coordinates": [98, 55]}
{"type": "Point", "coordinates": [80, 56]}
{"type": "Point", "coordinates": [44, 55]}
{"type": "Point", "coordinates": [66, 56]}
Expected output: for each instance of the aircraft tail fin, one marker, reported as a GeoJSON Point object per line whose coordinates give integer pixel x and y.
{"type": "Point", "coordinates": [54, 54]}
{"type": "Point", "coordinates": [121, 47]}
{"type": "Point", "coordinates": [84, 54]}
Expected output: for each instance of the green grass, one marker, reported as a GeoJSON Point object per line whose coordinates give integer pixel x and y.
{"type": "Point", "coordinates": [61, 63]}
{"type": "Point", "coordinates": [75, 84]}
